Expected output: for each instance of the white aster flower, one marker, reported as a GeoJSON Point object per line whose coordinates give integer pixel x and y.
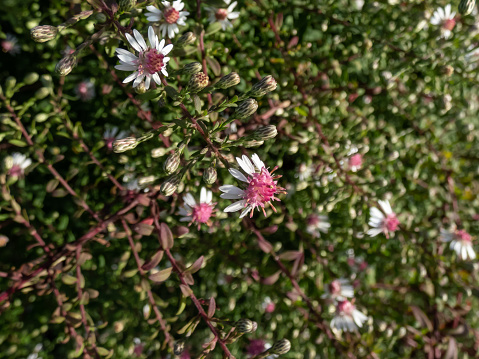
{"type": "Point", "coordinates": [10, 45]}
{"type": "Point", "coordinates": [304, 172]}
{"type": "Point", "coordinates": [317, 224]}
{"type": "Point", "coordinates": [461, 243]}
{"type": "Point", "coordinates": [382, 223]}
{"type": "Point", "coordinates": [223, 16]}
{"type": "Point", "coordinates": [347, 318]}
{"type": "Point", "coordinates": [261, 187]}
{"type": "Point", "coordinates": [16, 164]}
{"type": "Point", "coordinates": [149, 62]}
{"type": "Point", "coordinates": [170, 18]}
{"type": "Point", "coordinates": [338, 290]}
{"type": "Point", "coordinates": [445, 19]}
{"type": "Point", "coordinates": [198, 213]}
{"type": "Point", "coordinates": [85, 90]}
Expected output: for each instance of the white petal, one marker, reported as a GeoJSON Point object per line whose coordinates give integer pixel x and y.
{"type": "Point", "coordinates": [161, 45]}
{"type": "Point", "coordinates": [246, 211]}
{"type": "Point", "coordinates": [147, 81]}
{"type": "Point", "coordinates": [257, 162]}
{"type": "Point", "coordinates": [126, 67]}
{"type": "Point", "coordinates": [186, 219]}
{"type": "Point", "coordinates": [203, 195]}
{"type": "Point", "coordinates": [237, 174]}
{"type": "Point", "coordinates": [233, 15]}
{"type": "Point", "coordinates": [235, 206]}
{"type": "Point", "coordinates": [189, 200]}
{"type": "Point", "coordinates": [373, 232]}
{"type": "Point", "coordinates": [230, 189]}
{"type": "Point", "coordinates": [140, 40]}
{"type": "Point", "coordinates": [153, 9]}
{"type": "Point", "coordinates": [245, 164]}
{"type": "Point", "coordinates": [133, 42]}
{"type": "Point", "coordinates": [152, 38]}
{"type": "Point", "coordinates": [138, 80]}
{"type": "Point", "coordinates": [131, 77]}
{"type": "Point", "coordinates": [385, 206]}
{"type": "Point", "coordinates": [232, 6]}
{"type": "Point", "coordinates": [156, 78]}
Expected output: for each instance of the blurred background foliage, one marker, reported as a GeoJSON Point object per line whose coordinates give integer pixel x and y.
{"type": "Point", "coordinates": [373, 77]}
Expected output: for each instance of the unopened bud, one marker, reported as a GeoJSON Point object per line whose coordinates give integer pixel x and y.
{"type": "Point", "coordinates": [198, 82]}
{"type": "Point", "coordinates": [246, 108]}
{"type": "Point", "coordinates": [192, 68]}
{"type": "Point", "coordinates": [244, 326]}
{"type": "Point", "coordinates": [41, 93]}
{"type": "Point", "coordinates": [3, 240]}
{"type": "Point", "coordinates": [126, 5]}
{"type": "Point", "coordinates": [100, 17]}
{"type": "Point", "coordinates": [265, 133]}
{"type": "Point", "coordinates": [252, 143]}
{"type": "Point", "coordinates": [66, 65]}
{"type": "Point", "coordinates": [43, 33]}
{"type": "Point", "coordinates": [209, 176]}
{"type": "Point", "coordinates": [281, 347]}
{"type": "Point", "coordinates": [172, 162]}
{"type": "Point", "coordinates": [267, 84]}
{"type": "Point", "coordinates": [10, 82]}
{"type": "Point", "coordinates": [229, 80]}
{"type": "Point", "coordinates": [186, 39]}
{"type": "Point", "coordinates": [125, 144]}
{"type": "Point", "coordinates": [170, 186]}
{"type": "Point", "coordinates": [179, 347]}
{"type": "Point", "coordinates": [31, 78]}
{"type": "Point", "coordinates": [466, 6]}
{"type": "Point", "coordinates": [141, 88]}
{"type": "Point", "coordinates": [448, 70]}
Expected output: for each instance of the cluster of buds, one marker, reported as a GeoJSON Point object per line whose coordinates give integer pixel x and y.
{"type": "Point", "coordinates": [192, 68]}
{"type": "Point", "coordinates": [466, 7]}
{"type": "Point", "coordinates": [170, 186]}
{"type": "Point", "coordinates": [229, 80]}
{"type": "Point", "coordinates": [209, 176]}
{"type": "Point", "coordinates": [198, 82]}
{"type": "Point", "coordinates": [186, 39]}
{"type": "Point", "coordinates": [246, 108]}
{"type": "Point", "coordinates": [43, 33]}
{"type": "Point", "coordinates": [125, 144]}
{"type": "Point", "coordinates": [66, 65]}
{"type": "Point", "coordinates": [267, 84]}
{"type": "Point", "coordinates": [265, 133]}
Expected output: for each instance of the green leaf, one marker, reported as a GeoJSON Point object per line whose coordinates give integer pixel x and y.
{"type": "Point", "coordinates": [213, 28]}
{"type": "Point", "coordinates": [161, 276]}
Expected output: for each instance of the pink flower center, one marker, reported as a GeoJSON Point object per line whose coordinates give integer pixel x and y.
{"type": "Point", "coordinates": [221, 14]}
{"type": "Point", "coordinates": [255, 347]}
{"type": "Point", "coordinates": [152, 61]}
{"type": "Point", "coordinates": [334, 288]}
{"type": "Point", "coordinates": [202, 212]}
{"type": "Point", "coordinates": [171, 15]}
{"type": "Point", "coordinates": [261, 189]}
{"type": "Point", "coordinates": [392, 222]}
{"type": "Point", "coordinates": [16, 171]}
{"type": "Point", "coordinates": [270, 308]}
{"type": "Point", "coordinates": [449, 24]}
{"type": "Point", "coordinates": [345, 307]}
{"type": "Point", "coordinates": [7, 45]}
{"type": "Point", "coordinates": [356, 160]}
{"type": "Point", "coordinates": [82, 88]}
{"type": "Point", "coordinates": [463, 235]}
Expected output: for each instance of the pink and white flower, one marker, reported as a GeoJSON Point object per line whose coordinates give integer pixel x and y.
{"type": "Point", "coordinates": [386, 222]}
{"type": "Point", "coordinates": [10, 45]}
{"type": "Point", "coordinates": [317, 224]}
{"type": "Point", "coordinates": [198, 213]}
{"type": "Point", "coordinates": [261, 188]}
{"type": "Point", "coordinates": [16, 164]}
{"type": "Point", "coordinates": [223, 16]}
{"type": "Point", "coordinates": [445, 19]}
{"type": "Point", "coordinates": [150, 60]}
{"type": "Point", "coordinates": [111, 135]}
{"type": "Point", "coordinates": [85, 90]}
{"type": "Point", "coordinates": [338, 290]}
{"type": "Point", "coordinates": [461, 243]}
{"type": "Point", "coordinates": [348, 318]}
{"type": "Point", "coordinates": [355, 162]}
{"type": "Point", "coordinates": [169, 18]}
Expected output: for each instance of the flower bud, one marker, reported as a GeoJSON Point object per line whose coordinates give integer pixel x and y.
{"type": "Point", "coordinates": [246, 108]}
{"type": "Point", "coordinates": [265, 133]}
{"type": "Point", "coordinates": [244, 326]}
{"type": "Point", "coordinates": [43, 33]}
{"type": "Point", "coordinates": [41, 93]}
{"type": "Point", "coordinates": [267, 84]}
{"type": "Point", "coordinates": [170, 186]}
{"type": "Point", "coordinates": [141, 88]}
{"type": "Point", "coordinates": [447, 70]}
{"type": "Point", "coordinates": [466, 7]}
{"type": "Point", "coordinates": [186, 39]}
{"type": "Point", "coordinates": [126, 5]}
{"type": "Point", "coordinates": [198, 82]}
{"type": "Point", "coordinates": [10, 82]}
{"type": "Point", "coordinates": [192, 68]}
{"type": "Point", "coordinates": [281, 347]}
{"type": "Point", "coordinates": [172, 162]}
{"type": "Point", "coordinates": [125, 144]}
{"type": "Point", "coordinates": [179, 347]}
{"type": "Point", "coordinates": [3, 240]}
{"type": "Point", "coordinates": [252, 143]}
{"type": "Point", "coordinates": [31, 78]}
{"type": "Point", "coordinates": [209, 176]}
{"type": "Point", "coordinates": [229, 80]}
{"type": "Point", "coordinates": [100, 17]}
{"type": "Point", "coordinates": [66, 65]}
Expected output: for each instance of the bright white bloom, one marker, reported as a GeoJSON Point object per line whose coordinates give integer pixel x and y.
{"type": "Point", "coordinates": [10, 45]}
{"type": "Point", "coordinates": [198, 213]}
{"type": "Point", "coordinates": [85, 90]}
{"type": "Point", "coordinates": [112, 134]}
{"type": "Point", "coordinates": [461, 243]}
{"type": "Point", "coordinates": [149, 62]}
{"type": "Point", "coordinates": [16, 164]}
{"type": "Point", "coordinates": [445, 19]}
{"type": "Point", "coordinates": [261, 187]}
{"type": "Point", "coordinates": [170, 18]}
{"type": "Point", "coordinates": [347, 318]}
{"type": "Point", "coordinates": [304, 172]}
{"type": "Point", "coordinates": [338, 290]}
{"type": "Point", "coordinates": [317, 224]}
{"type": "Point", "coordinates": [223, 16]}
{"type": "Point", "coordinates": [382, 223]}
